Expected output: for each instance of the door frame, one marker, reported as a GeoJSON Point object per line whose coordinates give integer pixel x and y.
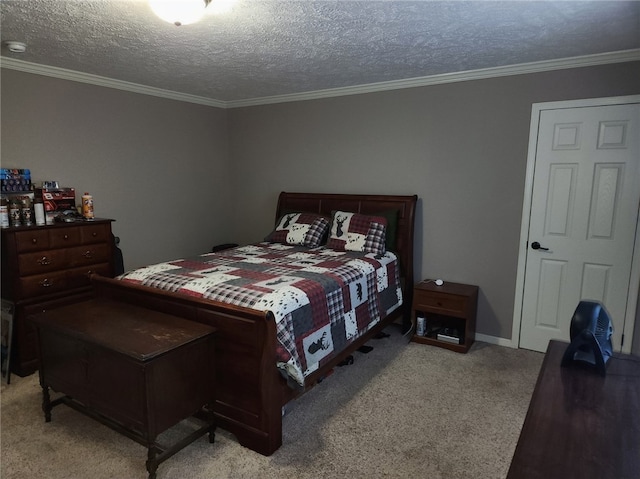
{"type": "Point", "coordinates": [523, 250]}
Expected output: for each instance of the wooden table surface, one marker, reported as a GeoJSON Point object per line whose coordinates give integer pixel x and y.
{"type": "Point", "coordinates": [580, 424]}
{"type": "Point", "coordinates": [131, 330]}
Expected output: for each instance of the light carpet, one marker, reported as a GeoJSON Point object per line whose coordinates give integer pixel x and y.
{"type": "Point", "coordinates": [405, 410]}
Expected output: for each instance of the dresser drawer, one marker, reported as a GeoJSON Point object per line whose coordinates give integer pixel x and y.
{"type": "Point", "coordinates": [65, 237]}
{"type": "Point", "coordinates": [54, 282]}
{"type": "Point", "coordinates": [32, 240]}
{"type": "Point", "coordinates": [444, 303]}
{"type": "Point", "coordinates": [79, 277]}
{"type": "Point", "coordinates": [90, 254]}
{"type": "Point", "coordinates": [42, 262]}
{"type": "Point", "coordinates": [42, 284]}
{"type": "Point", "coordinates": [96, 234]}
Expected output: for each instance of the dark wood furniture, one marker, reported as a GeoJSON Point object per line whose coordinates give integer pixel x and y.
{"type": "Point", "coordinates": [250, 390]}
{"type": "Point", "coordinates": [447, 308]}
{"type": "Point", "coordinates": [47, 266]}
{"type": "Point", "coordinates": [580, 424]}
{"type": "Point", "coordinates": [133, 369]}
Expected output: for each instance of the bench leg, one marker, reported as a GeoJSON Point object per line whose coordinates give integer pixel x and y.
{"type": "Point", "coordinates": [46, 403]}
{"type": "Point", "coordinates": [152, 463]}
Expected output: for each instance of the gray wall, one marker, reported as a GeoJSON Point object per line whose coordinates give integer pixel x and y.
{"type": "Point", "coordinates": [159, 167]}
{"type": "Point", "coordinates": [461, 147]}
{"type": "Point", "coordinates": [180, 177]}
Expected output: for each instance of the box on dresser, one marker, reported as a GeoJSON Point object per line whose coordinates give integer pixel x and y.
{"type": "Point", "coordinates": [44, 267]}
{"type": "Point", "coordinates": [56, 200]}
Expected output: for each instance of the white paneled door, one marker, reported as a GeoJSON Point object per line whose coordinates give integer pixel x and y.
{"type": "Point", "coordinates": [583, 219]}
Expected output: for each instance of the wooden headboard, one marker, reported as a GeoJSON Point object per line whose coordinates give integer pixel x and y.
{"type": "Point", "coordinates": [366, 204]}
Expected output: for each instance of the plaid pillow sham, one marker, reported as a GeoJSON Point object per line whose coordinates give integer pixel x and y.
{"type": "Point", "coordinates": [357, 232]}
{"type": "Point", "coordinates": [301, 229]}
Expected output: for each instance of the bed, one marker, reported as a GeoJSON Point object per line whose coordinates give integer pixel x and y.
{"type": "Point", "coordinates": [255, 375]}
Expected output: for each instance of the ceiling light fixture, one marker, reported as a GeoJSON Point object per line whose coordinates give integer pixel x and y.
{"type": "Point", "coordinates": [179, 12]}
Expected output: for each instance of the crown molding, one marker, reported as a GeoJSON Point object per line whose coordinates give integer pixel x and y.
{"type": "Point", "coordinates": [510, 70]}
{"type": "Point", "coordinates": [72, 75]}
{"type": "Point", "coordinates": [519, 69]}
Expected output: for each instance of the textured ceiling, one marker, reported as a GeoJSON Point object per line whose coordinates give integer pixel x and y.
{"type": "Point", "coordinates": [265, 48]}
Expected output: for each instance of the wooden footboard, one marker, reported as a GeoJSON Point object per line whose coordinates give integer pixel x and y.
{"type": "Point", "coordinates": [250, 389]}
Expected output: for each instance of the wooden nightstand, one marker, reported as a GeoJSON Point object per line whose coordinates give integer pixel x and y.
{"type": "Point", "coordinates": [449, 312]}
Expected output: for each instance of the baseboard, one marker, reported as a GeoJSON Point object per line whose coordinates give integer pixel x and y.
{"type": "Point", "coordinates": [496, 340]}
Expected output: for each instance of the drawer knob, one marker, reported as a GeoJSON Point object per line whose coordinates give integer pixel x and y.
{"type": "Point", "coordinates": [44, 261]}
{"type": "Point", "coordinates": [45, 283]}
{"type": "Point", "coordinates": [94, 234]}
{"type": "Point", "coordinates": [88, 254]}
{"type": "Point", "coordinates": [34, 240]}
{"type": "Point", "coordinates": [66, 237]}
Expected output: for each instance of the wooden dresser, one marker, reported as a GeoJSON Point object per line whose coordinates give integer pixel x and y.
{"type": "Point", "coordinates": [580, 424]}
{"type": "Point", "coordinates": [47, 266]}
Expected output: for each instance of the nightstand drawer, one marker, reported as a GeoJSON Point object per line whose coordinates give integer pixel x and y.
{"type": "Point", "coordinates": [443, 303]}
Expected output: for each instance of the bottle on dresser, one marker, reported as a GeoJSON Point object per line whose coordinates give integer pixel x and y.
{"type": "Point", "coordinates": [87, 206]}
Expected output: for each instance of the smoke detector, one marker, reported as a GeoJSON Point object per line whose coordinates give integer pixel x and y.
{"type": "Point", "coordinates": [16, 47]}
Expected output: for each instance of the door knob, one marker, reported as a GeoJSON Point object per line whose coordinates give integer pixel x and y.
{"type": "Point", "coordinates": [536, 245]}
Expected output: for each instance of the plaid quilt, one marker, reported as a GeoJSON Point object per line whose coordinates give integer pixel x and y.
{"type": "Point", "coordinates": [322, 299]}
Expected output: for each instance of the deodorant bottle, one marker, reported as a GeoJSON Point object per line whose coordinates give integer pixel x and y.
{"type": "Point", "coordinates": [4, 213]}
{"type": "Point", "coordinates": [38, 209]}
